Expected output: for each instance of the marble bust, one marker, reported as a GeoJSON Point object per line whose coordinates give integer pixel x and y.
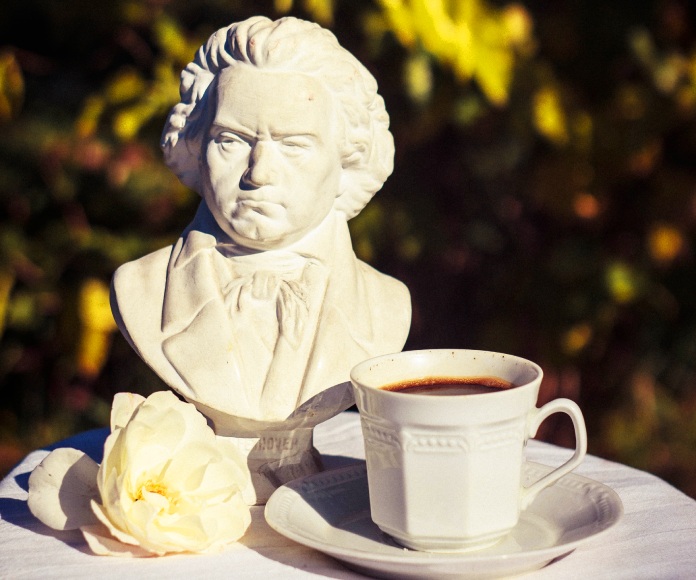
{"type": "Point", "coordinates": [261, 304]}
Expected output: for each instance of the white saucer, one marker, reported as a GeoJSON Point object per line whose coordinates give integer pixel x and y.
{"type": "Point", "coordinates": [330, 512]}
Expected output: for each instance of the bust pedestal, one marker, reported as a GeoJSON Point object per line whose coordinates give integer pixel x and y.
{"type": "Point", "coordinates": [278, 452]}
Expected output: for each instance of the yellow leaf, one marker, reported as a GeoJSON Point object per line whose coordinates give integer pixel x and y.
{"type": "Point", "coordinates": [549, 115]}
{"type": "Point", "coordinates": [282, 6]}
{"type": "Point", "coordinates": [410, 248]}
{"type": "Point", "coordinates": [494, 74]}
{"type": "Point", "coordinates": [129, 121]}
{"type": "Point", "coordinates": [577, 338]}
{"type": "Point", "coordinates": [97, 326]}
{"type": "Point", "coordinates": [664, 243]}
{"type": "Point", "coordinates": [622, 283]}
{"type": "Point", "coordinates": [126, 124]}
{"type": "Point", "coordinates": [321, 10]}
{"type": "Point", "coordinates": [365, 250]}
{"type": "Point", "coordinates": [495, 54]}
{"type": "Point", "coordinates": [518, 24]}
{"type": "Point", "coordinates": [439, 34]}
{"type": "Point", "coordinates": [375, 26]}
{"type": "Point", "coordinates": [7, 280]}
{"type": "Point", "coordinates": [92, 351]}
{"type": "Point", "coordinates": [172, 40]}
{"type": "Point", "coordinates": [475, 39]}
{"type": "Point", "coordinates": [88, 121]}
{"type": "Point", "coordinates": [135, 12]}
{"type": "Point", "coordinates": [125, 86]}
{"type": "Point", "coordinates": [11, 86]}
{"type": "Point", "coordinates": [400, 18]}
{"type": "Point", "coordinates": [165, 89]}
{"type": "Point", "coordinates": [418, 78]}
{"type": "Point", "coordinates": [94, 306]}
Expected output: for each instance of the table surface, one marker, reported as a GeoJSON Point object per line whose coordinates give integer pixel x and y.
{"type": "Point", "coordinates": [655, 539]}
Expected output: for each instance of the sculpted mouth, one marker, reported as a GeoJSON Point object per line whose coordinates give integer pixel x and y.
{"type": "Point", "coordinates": [262, 207]}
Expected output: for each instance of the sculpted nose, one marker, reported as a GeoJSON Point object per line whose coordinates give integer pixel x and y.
{"type": "Point", "coordinates": [261, 170]}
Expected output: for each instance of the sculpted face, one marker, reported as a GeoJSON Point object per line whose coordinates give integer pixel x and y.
{"type": "Point", "coordinates": [271, 164]}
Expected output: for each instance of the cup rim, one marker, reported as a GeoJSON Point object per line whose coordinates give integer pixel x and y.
{"type": "Point", "coordinates": [362, 367]}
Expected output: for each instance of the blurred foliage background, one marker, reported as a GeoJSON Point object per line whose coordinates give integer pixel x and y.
{"type": "Point", "coordinates": [543, 201]}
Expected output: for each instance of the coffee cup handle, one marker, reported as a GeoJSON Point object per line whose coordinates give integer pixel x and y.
{"type": "Point", "coordinates": [537, 416]}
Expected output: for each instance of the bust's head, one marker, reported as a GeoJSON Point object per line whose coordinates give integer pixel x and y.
{"type": "Point", "coordinates": [278, 125]}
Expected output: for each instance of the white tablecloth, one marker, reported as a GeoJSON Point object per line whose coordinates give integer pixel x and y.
{"type": "Point", "coordinates": [655, 539]}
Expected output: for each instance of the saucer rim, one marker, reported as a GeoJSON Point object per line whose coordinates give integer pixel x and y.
{"type": "Point", "coordinates": [367, 559]}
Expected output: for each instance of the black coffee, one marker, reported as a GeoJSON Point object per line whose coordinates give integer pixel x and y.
{"type": "Point", "coordinates": [450, 386]}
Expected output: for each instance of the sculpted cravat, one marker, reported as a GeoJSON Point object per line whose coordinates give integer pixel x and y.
{"type": "Point", "coordinates": [271, 293]}
{"type": "Point", "coordinates": [273, 302]}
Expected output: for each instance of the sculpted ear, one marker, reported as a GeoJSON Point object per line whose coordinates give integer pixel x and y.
{"type": "Point", "coordinates": [184, 162]}
{"type": "Point", "coordinates": [183, 136]}
{"type": "Point", "coordinates": [367, 162]}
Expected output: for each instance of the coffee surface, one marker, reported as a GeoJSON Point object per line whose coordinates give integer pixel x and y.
{"type": "Point", "coordinates": [448, 386]}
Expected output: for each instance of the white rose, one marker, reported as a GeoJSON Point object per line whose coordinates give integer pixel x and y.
{"type": "Point", "coordinates": [166, 483]}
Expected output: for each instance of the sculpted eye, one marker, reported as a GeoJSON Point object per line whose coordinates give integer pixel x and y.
{"type": "Point", "coordinates": [295, 145]}
{"type": "Point", "coordinates": [228, 140]}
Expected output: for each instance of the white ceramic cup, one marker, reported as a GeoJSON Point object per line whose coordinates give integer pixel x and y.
{"type": "Point", "coordinates": [444, 472]}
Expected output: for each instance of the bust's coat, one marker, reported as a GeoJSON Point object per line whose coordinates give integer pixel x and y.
{"type": "Point", "coordinates": [169, 306]}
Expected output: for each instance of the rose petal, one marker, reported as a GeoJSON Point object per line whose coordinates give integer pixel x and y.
{"type": "Point", "coordinates": [61, 488]}
{"type": "Point", "coordinates": [123, 407]}
{"type": "Point", "coordinates": [230, 521]}
{"type": "Point", "coordinates": [116, 533]}
{"type": "Point", "coordinates": [221, 479]}
{"type": "Point", "coordinates": [187, 468]}
{"type": "Point", "coordinates": [243, 476]}
{"type": "Point", "coordinates": [101, 543]}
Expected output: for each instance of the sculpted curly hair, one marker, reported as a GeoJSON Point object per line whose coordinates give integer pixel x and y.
{"type": "Point", "coordinates": [367, 151]}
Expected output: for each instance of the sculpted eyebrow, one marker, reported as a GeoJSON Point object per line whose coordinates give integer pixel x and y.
{"type": "Point", "coordinates": [277, 135]}
{"type": "Point", "coordinates": [218, 128]}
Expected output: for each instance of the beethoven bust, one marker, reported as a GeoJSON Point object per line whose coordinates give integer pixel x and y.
{"type": "Point", "coordinates": [262, 304]}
